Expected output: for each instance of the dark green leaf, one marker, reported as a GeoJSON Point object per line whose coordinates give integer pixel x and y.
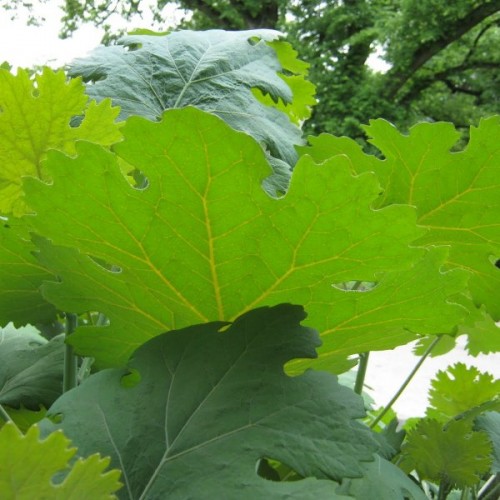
{"type": "Point", "coordinates": [382, 481]}
{"type": "Point", "coordinates": [490, 423]}
{"type": "Point", "coordinates": [206, 403]}
{"type": "Point", "coordinates": [212, 70]}
{"type": "Point", "coordinates": [21, 276]}
{"type": "Point", "coordinates": [31, 369]}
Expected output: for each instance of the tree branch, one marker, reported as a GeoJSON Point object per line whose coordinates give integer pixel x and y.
{"type": "Point", "coordinates": [421, 84]}
{"type": "Point", "coordinates": [398, 76]}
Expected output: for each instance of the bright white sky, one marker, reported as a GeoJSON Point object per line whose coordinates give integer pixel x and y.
{"type": "Point", "coordinates": [26, 46]}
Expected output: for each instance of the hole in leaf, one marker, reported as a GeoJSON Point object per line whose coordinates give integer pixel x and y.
{"type": "Point", "coordinates": [224, 327]}
{"type": "Point", "coordinates": [55, 418]}
{"type": "Point", "coordinates": [34, 344]}
{"type": "Point", "coordinates": [132, 47]}
{"type": "Point", "coordinates": [273, 470]}
{"type": "Point", "coordinates": [356, 286]}
{"type": "Point", "coordinates": [495, 261]}
{"type": "Point", "coordinates": [253, 40]}
{"type": "Point", "coordinates": [130, 379]}
{"type": "Point", "coordinates": [140, 181]}
{"type": "Point", "coordinates": [112, 268]}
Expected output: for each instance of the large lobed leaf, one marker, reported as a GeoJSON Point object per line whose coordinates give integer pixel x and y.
{"type": "Point", "coordinates": [197, 408]}
{"type": "Point", "coordinates": [213, 70]}
{"type": "Point", "coordinates": [35, 115]}
{"type": "Point", "coordinates": [456, 194]}
{"type": "Point", "coordinates": [28, 466]}
{"type": "Point", "coordinates": [203, 241]}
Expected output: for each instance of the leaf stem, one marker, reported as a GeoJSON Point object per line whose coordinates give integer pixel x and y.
{"type": "Point", "coordinates": [70, 360]}
{"type": "Point", "coordinates": [406, 382]}
{"type": "Point", "coordinates": [361, 374]}
{"type": "Point", "coordinates": [491, 489]}
{"type": "Point", "coordinates": [444, 489]}
{"type": "Point", "coordinates": [5, 416]}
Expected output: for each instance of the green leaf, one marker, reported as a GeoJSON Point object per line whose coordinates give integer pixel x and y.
{"type": "Point", "coordinates": [213, 70]}
{"type": "Point", "coordinates": [204, 404]}
{"type": "Point", "coordinates": [35, 116]}
{"type": "Point", "coordinates": [454, 453]}
{"type": "Point", "coordinates": [299, 108]}
{"type": "Point", "coordinates": [490, 423]}
{"type": "Point", "coordinates": [203, 241]}
{"type": "Point", "coordinates": [457, 195]}
{"type": "Point", "coordinates": [31, 369]}
{"type": "Point", "coordinates": [483, 334]}
{"type": "Point", "coordinates": [401, 306]}
{"type": "Point", "coordinates": [28, 466]}
{"type": "Point", "coordinates": [458, 390]}
{"type": "Point", "coordinates": [21, 276]}
{"type": "Point", "coordinates": [446, 344]}
{"type": "Point", "coordinates": [382, 480]}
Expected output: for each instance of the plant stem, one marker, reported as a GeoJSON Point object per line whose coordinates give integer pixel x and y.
{"type": "Point", "coordinates": [5, 416]}
{"type": "Point", "coordinates": [70, 360]}
{"type": "Point", "coordinates": [85, 368]}
{"type": "Point", "coordinates": [490, 489]}
{"type": "Point", "coordinates": [444, 489]}
{"type": "Point", "coordinates": [405, 383]}
{"type": "Point", "coordinates": [361, 374]}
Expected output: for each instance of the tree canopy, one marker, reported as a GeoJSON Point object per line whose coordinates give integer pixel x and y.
{"type": "Point", "coordinates": [442, 57]}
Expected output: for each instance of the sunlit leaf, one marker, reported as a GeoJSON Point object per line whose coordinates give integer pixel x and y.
{"type": "Point", "coordinates": [35, 115]}
{"type": "Point", "coordinates": [28, 466]}
{"type": "Point", "coordinates": [203, 241]}
{"type": "Point", "coordinates": [457, 195]}
{"type": "Point", "coordinates": [459, 389]}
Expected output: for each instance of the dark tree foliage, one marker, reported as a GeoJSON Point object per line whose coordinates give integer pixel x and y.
{"type": "Point", "coordinates": [443, 57]}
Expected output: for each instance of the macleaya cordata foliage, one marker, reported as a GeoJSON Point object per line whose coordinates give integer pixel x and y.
{"type": "Point", "coordinates": [202, 254]}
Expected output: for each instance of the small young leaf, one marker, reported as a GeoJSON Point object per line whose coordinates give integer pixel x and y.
{"type": "Point", "coordinates": [209, 404]}
{"type": "Point", "coordinates": [294, 73]}
{"type": "Point", "coordinates": [28, 466]}
{"type": "Point", "coordinates": [458, 390]}
{"type": "Point", "coordinates": [35, 116]}
{"type": "Point", "coordinates": [454, 453]}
